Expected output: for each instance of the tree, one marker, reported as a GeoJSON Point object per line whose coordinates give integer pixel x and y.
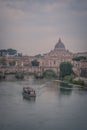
{"type": "Point", "coordinates": [3, 52]}
{"type": "Point", "coordinates": [11, 51]}
{"type": "Point", "coordinates": [65, 69]}
{"type": "Point", "coordinates": [35, 63]}
{"type": "Point", "coordinates": [20, 54]}
{"type": "Point", "coordinates": [49, 74]}
{"type": "Point", "coordinates": [38, 55]}
{"type": "Point", "coordinates": [79, 58]}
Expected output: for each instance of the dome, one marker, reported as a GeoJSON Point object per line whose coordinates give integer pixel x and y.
{"type": "Point", "coordinates": [60, 45]}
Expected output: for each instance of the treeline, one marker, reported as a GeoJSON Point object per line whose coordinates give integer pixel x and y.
{"type": "Point", "coordinates": [78, 58]}
{"type": "Point", "coordinates": [9, 51]}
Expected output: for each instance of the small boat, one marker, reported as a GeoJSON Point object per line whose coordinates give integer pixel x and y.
{"type": "Point", "coordinates": [28, 92]}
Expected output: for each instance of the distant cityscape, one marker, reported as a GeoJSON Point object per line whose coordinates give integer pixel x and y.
{"type": "Point", "coordinates": [11, 61]}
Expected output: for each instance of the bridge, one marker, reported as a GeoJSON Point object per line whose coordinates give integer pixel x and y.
{"type": "Point", "coordinates": [54, 69]}
{"type": "Point", "coordinates": [36, 69]}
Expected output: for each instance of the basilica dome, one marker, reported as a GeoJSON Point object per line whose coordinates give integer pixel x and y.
{"type": "Point", "coordinates": [59, 45]}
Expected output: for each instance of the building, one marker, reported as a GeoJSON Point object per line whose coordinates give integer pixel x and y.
{"type": "Point", "coordinates": [57, 55]}
{"type": "Point", "coordinates": [80, 54]}
{"type": "Point", "coordinates": [83, 68]}
{"type": "Point", "coordinates": [52, 60]}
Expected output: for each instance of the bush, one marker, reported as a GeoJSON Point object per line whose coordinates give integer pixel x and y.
{"type": "Point", "coordinates": [69, 78]}
{"type": "Point", "coordinates": [35, 63]}
{"type": "Point", "coordinates": [49, 74]}
{"type": "Point", "coordinates": [78, 82]}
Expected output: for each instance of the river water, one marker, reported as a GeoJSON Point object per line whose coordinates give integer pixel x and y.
{"type": "Point", "coordinates": [56, 106]}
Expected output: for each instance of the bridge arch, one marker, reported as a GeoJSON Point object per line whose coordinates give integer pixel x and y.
{"type": "Point", "coordinates": [48, 73]}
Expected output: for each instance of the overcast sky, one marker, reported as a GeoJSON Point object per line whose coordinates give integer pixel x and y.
{"type": "Point", "coordinates": [34, 26]}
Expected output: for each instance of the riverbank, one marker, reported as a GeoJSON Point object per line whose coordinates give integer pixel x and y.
{"type": "Point", "coordinates": [74, 84]}
{"type": "Point", "coordinates": [11, 77]}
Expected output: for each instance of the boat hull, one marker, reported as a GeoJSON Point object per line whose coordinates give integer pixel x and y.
{"type": "Point", "coordinates": [28, 95]}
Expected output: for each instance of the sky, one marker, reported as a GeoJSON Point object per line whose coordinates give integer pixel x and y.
{"type": "Point", "coordinates": [34, 26]}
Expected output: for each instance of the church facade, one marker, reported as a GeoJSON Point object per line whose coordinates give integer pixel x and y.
{"type": "Point", "coordinates": [57, 55]}
{"type": "Point", "coordinates": [53, 59]}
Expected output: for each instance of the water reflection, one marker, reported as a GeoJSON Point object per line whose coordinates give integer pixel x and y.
{"type": "Point", "coordinates": [31, 99]}
{"type": "Point", "coordinates": [65, 89]}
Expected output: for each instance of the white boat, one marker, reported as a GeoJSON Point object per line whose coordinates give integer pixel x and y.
{"type": "Point", "coordinates": [28, 92]}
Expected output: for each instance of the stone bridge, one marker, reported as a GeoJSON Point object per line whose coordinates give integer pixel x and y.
{"type": "Point", "coordinates": [27, 69]}
{"type": "Point", "coordinates": [54, 69]}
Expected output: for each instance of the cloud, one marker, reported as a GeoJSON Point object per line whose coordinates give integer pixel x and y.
{"type": "Point", "coordinates": [32, 5]}
{"type": "Point", "coordinates": [25, 24]}
{"type": "Point", "coordinates": [78, 5]}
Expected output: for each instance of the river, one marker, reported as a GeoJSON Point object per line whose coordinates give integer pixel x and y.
{"type": "Point", "coordinates": [56, 106]}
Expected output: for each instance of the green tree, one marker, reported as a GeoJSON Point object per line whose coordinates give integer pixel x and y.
{"type": "Point", "coordinates": [35, 63]}
{"type": "Point", "coordinates": [11, 51]}
{"type": "Point", "coordinates": [65, 69]}
{"type": "Point", "coordinates": [49, 74]}
{"type": "Point", "coordinates": [79, 58]}
{"type": "Point", "coordinates": [20, 54]}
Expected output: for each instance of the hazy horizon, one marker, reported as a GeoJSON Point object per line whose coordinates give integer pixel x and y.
{"type": "Point", "coordinates": [34, 26]}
